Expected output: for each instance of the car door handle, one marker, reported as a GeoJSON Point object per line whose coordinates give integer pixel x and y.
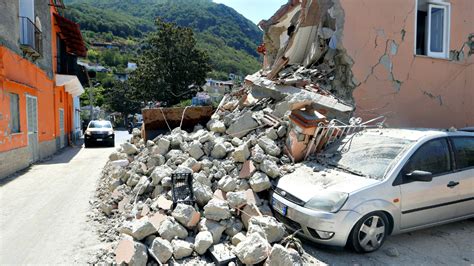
{"type": "Point", "coordinates": [452, 184]}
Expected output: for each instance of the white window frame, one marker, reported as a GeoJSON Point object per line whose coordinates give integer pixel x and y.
{"type": "Point", "coordinates": [447, 28]}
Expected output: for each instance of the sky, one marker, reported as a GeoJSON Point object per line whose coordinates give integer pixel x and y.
{"type": "Point", "coordinates": [255, 10]}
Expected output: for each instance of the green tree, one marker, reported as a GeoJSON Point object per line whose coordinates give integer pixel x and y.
{"type": "Point", "coordinates": [170, 65]}
{"type": "Point", "coordinates": [119, 98]}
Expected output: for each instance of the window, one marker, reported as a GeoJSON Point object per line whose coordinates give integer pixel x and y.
{"type": "Point", "coordinates": [464, 152]}
{"type": "Point", "coordinates": [432, 28]}
{"type": "Point", "coordinates": [14, 113]}
{"type": "Point", "coordinates": [432, 157]}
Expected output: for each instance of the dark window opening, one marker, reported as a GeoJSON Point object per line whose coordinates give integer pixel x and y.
{"type": "Point", "coordinates": [421, 32]}
{"type": "Point", "coordinates": [14, 113]}
{"type": "Point", "coordinates": [290, 30]}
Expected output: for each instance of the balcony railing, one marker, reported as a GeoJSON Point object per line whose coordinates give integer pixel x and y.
{"type": "Point", "coordinates": [30, 37]}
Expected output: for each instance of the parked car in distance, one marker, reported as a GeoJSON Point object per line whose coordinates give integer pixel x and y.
{"type": "Point", "coordinates": [99, 132]}
{"type": "Point", "coordinates": [379, 182]}
{"type": "Point", "coordinates": [131, 126]}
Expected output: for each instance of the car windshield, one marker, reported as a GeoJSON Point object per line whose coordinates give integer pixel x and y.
{"type": "Point", "coordinates": [100, 124]}
{"type": "Point", "coordinates": [365, 154]}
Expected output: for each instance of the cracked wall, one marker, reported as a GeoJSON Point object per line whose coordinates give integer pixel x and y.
{"type": "Point", "coordinates": [409, 90]}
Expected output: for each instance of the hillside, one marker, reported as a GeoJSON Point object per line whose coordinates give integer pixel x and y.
{"type": "Point", "coordinates": [229, 38]}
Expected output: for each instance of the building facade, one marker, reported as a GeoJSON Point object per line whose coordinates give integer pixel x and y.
{"type": "Point", "coordinates": [39, 81]}
{"type": "Point", "coordinates": [408, 60]}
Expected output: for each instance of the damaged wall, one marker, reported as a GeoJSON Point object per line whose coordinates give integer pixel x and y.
{"type": "Point", "coordinates": [362, 52]}
{"type": "Point", "coordinates": [409, 90]}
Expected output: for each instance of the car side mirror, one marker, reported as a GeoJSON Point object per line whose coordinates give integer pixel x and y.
{"type": "Point", "coordinates": [419, 175]}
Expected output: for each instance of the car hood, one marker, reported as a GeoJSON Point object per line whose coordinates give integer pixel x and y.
{"type": "Point", "coordinates": [305, 183]}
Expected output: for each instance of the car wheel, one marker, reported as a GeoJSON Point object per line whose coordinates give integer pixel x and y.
{"type": "Point", "coordinates": [370, 232]}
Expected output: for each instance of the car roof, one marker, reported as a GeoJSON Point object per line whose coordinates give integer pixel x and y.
{"type": "Point", "coordinates": [415, 134]}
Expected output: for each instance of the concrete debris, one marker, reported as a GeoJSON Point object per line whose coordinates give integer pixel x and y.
{"type": "Point", "coordinates": [203, 241]}
{"type": "Point", "coordinates": [170, 228]}
{"type": "Point", "coordinates": [186, 215]}
{"type": "Point", "coordinates": [238, 238]}
{"type": "Point", "coordinates": [270, 168]}
{"type": "Point", "coordinates": [260, 182]}
{"type": "Point", "coordinates": [280, 256]}
{"type": "Point", "coordinates": [237, 199]}
{"type": "Point", "coordinates": [216, 126]}
{"type": "Point", "coordinates": [242, 126]}
{"type": "Point", "coordinates": [161, 249]}
{"type": "Point", "coordinates": [254, 249]}
{"type": "Point", "coordinates": [227, 183]}
{"type": "Point", "coordinates": [268, 227]}
{"type": "Point", "coordinates": [138, 229]}
{"type": "Point", "coordinates": [181, 248]}
{"type": "Point", "coordinates": [269, 146]}
{"type": "Point", "coordinates": [129, 148]}
{"type": "Point", "coordinates": [131, 252]}
{"type": "Point", "coordinates": [241, 153]}
{"type": "Point", "coordinates": [215, 228]}
{"type": "Point", "coordinates": [217, 209]}
{"type": "Point", "coordinates": [235, 153]}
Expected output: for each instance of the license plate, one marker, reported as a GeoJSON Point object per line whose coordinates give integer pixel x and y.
{"type": "Point", "coordinates": [99, 139]}
{"type": "Point", "coordinates": [279, 207]}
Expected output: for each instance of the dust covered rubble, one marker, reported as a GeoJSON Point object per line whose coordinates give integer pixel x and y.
{"type": "Point", "coordinates": [232, 177]}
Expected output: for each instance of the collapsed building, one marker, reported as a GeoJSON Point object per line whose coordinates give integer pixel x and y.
{"type": "Point", "coordinates": [200, 195]}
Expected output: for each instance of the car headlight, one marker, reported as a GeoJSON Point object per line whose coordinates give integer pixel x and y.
{"type": "Point", "coordinates": [110, 132]}
{"type": "Point", "coordinates": [88, 132]}
{"type": "Point", "coordinates": [329, 201]}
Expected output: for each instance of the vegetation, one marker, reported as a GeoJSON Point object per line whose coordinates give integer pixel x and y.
{"type": "Point", "coordinates": [120, 98]}
{"type": "Point", "coordinates": [228, 37]}
{"type": "Point", "coordinates": [169, 66]}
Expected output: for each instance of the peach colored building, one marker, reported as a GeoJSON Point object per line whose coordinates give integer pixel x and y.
{"type": "Point", "coordinates": [403, 77]}
{"type": "Point", "coordinates": [409, 60]}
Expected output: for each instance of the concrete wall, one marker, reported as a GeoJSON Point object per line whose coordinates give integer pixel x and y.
{"type": "Point", "coordinates": [10, 31]}
{"type": "Point", "coordinates": [13, 161]}
{"type": "Point", "coordinates": [47, 148]}
{"type": "Point", "coordinates": [409, 90]}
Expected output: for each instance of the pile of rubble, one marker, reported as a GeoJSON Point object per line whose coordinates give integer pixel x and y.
{"type": "Point", "coordinates": [277, 118]}
{"type": "Point", "coordinates": [233, 162]}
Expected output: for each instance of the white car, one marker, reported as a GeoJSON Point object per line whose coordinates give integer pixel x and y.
{"type": "Point", "coordinates": [379, 182]}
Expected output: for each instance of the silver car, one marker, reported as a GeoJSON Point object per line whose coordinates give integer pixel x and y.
{"type": "Point", "coordinates": [379, 182]}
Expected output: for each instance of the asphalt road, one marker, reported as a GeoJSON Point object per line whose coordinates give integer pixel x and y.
{"type": "Point", "coordinates": [43, 210]}
{"type": "Point", "coordinates": [450, 244]}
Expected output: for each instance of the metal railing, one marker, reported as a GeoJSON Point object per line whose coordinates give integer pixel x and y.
{"type": "Point", "coordinates": [30, 36]}
{"type": "Point", "coordinates": [327, 134]}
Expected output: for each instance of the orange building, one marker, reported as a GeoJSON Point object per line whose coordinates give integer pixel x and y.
{"type": "Point", "coordinates": [39, 82]}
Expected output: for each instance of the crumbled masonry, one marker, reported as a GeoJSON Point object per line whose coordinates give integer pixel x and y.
{"type": "Point", "coordinates": [235, 157]}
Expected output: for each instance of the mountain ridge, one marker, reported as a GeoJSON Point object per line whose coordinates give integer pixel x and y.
{"type": "Point", "coordinates": [229, 38]}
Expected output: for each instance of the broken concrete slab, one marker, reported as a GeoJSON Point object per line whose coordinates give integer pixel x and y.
{"type": "Point", "coordinates": [170, 228]}
{"type": "Point", "coordinates": [254, 249]}
{"type": "Point", "coordinates": [202, 242]}
{"type": "Point", "coordinates": [281, 256]}
{"type": "Point", "coordinates": [260, 182]}
{"type": "Point", "coordinates": [242, 126]}
{"type": "Point", "coordinates": [186, 215]}
{"type": "Point", "coordinates": [130, 252]}
{"type": "Point", "coordinates": [268, 227]}
{"type": "Point", "coordinates": [138, 229]}
{"type": "Point", "coordinates": [217, 210]}
{"type": "Point", "coordinates": [181, 248]}
{"type": "Point", "coordinates": [161, 249]}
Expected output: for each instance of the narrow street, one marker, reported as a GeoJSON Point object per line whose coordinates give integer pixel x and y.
{"type": "Point", "coordinates": [43, 214]}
